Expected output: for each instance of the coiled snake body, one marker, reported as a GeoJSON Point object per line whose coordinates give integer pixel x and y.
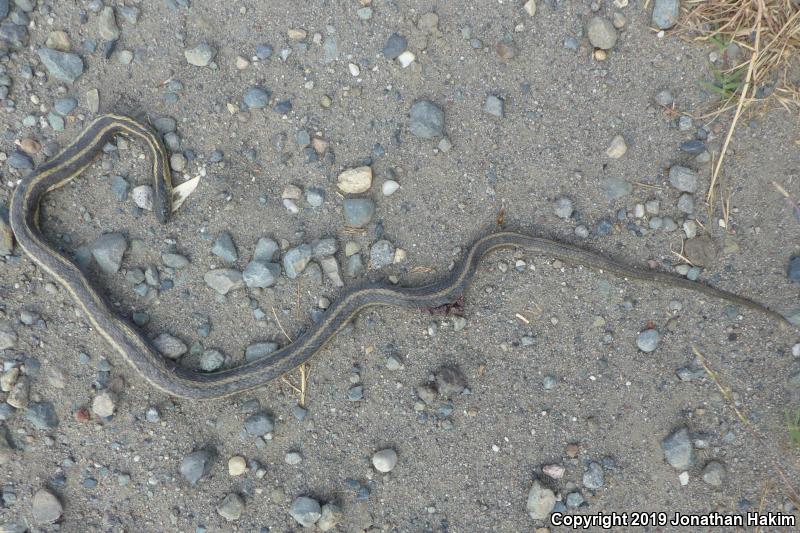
{"type": "Point", "coordinates": [176, 380]}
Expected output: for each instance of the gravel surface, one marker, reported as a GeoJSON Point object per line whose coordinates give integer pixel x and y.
{"type": "Point", "coordinates": [361, 141]}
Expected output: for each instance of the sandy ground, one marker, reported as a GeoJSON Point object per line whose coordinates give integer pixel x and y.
{"type": "Point", "coordinates": [471, 470]}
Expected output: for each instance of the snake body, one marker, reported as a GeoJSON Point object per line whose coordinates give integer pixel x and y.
{"type": "Point", "coordinates": [177, 380]}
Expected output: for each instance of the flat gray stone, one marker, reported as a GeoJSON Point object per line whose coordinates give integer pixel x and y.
{"type": "Point", "coordinates": [306, 511]}
{"type": "Point", "coordinates": [541, 501]}
{"type": "Point", "coordinates": [381, 254]}
{"type": "Point", "coordinates": [46, 508]}
{"type": "Point", "coordinates": [495, 106]}
{"type": "Point", "coordinates": [170, 346]}
{"type": "Point", "coordinates": [665, 13]}
{"type": "Point", "coordinates": [196, 465]}
{"type": "Point", "coordinates": [224, 280]}
{"type": "Point", "coordinates": [42, 415]}
{"type": "Point", "coordinates": [108, 250]}
{"type": "Point", "coordinates": [427, 120]}
{"type": "Point", "coordinates": [296, 259]}
{"type": "Point", "coordinates": [256, 97]}
{"type": "Point", "coordinates": [201, 55]}
{"type": "Point", "coordinates": [260, 274]}
{"type": "Point", "coordinates": [682, 178]}
{"type": "Point", "coordinates": [265, 250]}
{"type": "Point", "coordinates": [231, 507]}
{"type": "Point", "coordinates": [678, 449]}
{"type": "Point", "coordinates": [601, 33]}
{"type": "Point", "coordinates": [259, 350]}
{"type": "Point", "coordinates": [224, 248]}
{"type": "Point", "coordinates": [63, 66]}
{"type": "Point", "coordinates": [358, 212]}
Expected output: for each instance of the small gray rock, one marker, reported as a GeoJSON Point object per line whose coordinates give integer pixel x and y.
{"type": "Point", "coordinates": [450, 381]}
{"type": "Point", "coordinates": [324, 248]}
{"type": "Point", "coordinates": [231, 507]}
{"type": "Point", "coordinates": [331, 515]}
{"type": "Point", "coordinates": [593, 477]}
{"type": "Point", "coordinates": [358, 212]}
{"type": "Point", "coordinates": [541, 501]}
{"type": "Point", "coordinates": [306, 511]}
{"type": "Point", "coordinates": [563, 208]}
{"type": "Point", "coordinates": [296, 259]}
{"type": "Point", "coordinates": [42, 415]}
{"type": "Point", "coordinates": [170, 346]}
{"type": "Point", "coordinates": [46, 508]}
{"type": "Point", "coordinates": [601, 33]}
{"type": "Point", "coordinates": [201, 55]}
{"type": "Point", "coordinates": [260, 274]}
{"type": "Point", "coordinates": [196, 465]}
{"type": "Point", "coordinates": [665, 13]}
{"type": "Point", "coordinates": [108, 250]}
{"type": "Point", "coordinates": [108, 24]}
{"type": "Point", "coordinates": [20, 161]}
{"type": "Point", "coordinates": [63, 66]}
{"type": "Point", "coordinates": [174, 260]}
{"type": "Point", "coordinates": [494, 105]}
{"type": "Point", "coordinates": [664, 98]}
{"type": "Point", "coordinates": [714, 473]}
{"type": "Point", "coordinates": [211, 360]}
{"type": "Point", "coordinates": [258, 424]}
{"type": "Point", "coordinates": [682, 178]}
{"type": "Point", "coordinates": [792, 271]}
{"type": "Point", "coordinates": [354, 266]}
{"type": "Point", "coordinates": [384, 460]}
{"type": "Point", "coordinates": [224, 280]}
{"type": "Point", "coordinates": [256, 98]}
{"type": "Point", "coordinates": [224, 248]}
{"type": "Point", "coordinates": [265, 250]}
{"type": "Point", "coordinates": [427, 120]}
{"type": "Point", "coordinates": [678, 449]}
{"type": "Point", "coordinates": [381, 254]}
{"type": "Point", "coordinates": [395, 45]}
{"type": "Point", "coordinates": [647, 340]}
{"type": "Point", "coordinates": [259, 350]}
{"type": "Point", "coordinates": [65, 106]}
{"type": "Point", "coordinates": [616, 188]}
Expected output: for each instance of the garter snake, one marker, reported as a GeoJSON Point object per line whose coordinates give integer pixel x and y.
{"type": "Point", "coordinates": [174, 379]}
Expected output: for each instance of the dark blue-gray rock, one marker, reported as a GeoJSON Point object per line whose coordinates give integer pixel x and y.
{"type": "Point", "coordinates": [63, 66]}
{"type": "Point", "coordinates": [427, 120]}
{"type": "Point", "coordinates": [682, 178]}
{"type": "Point", "coordinates": [259, 350]}
{"type": "Point", "coordinates": [324, 248]}
{"type": "Point", "coordinates": [358, 212]}
{"type": "Point", "coordinates": [494, 105]}
{"type": "Point", "coordinates": [647, 340]}
{"type": "Point", "coordinates": [211, 360]}
{"type": "Point", "coordinates": [593, 477]}
{"type": "Point", "coordinates": [686, 203]}
{"type": "Point", "coordinates": [395, 45]}
{"type": "Point", "coordinates": [65, 106]}
{"type": "Point", "coordinates": [260, 274]}
{"type": "Point", "coordinates": [678, 449]}
{"type": "Point", "coordinates": [265, 250]}
{"type": "Point", "coordinates": [119, 188]}
{"type": "Point", "coordinates": [601, 33]}
{"type": "Point", "coordinates": [42, 415]}
{"type": "Point", "coordinates": [693, 147]}
{"type": "Point", "coordinates": [196, 465]}
{"type": "Point", "coordinates": [306, 511]}
{"type": "Point", "coordinates": [13, 35]}
{"type": "Point", "coordinates": [3, 9]}
{"type": "Point", "coordinates": [224, 248]}
{"type": "Point", "coordinates": [256, 98]}
{"type": "Point", "coordinates": [264, 51]}
{"type": "Point", "coordinates": [616, 188]}
{"type": "Point", "coordinates": [296, 259]}
{"type": "Point", "coordinates": [20, 161]}
{"type": "Point", "coordinates": [283, 107]}
{"type": "Point", "coordinates": [56, 121]}
{"type": "Point", "coordinates": [231, 508]}
{"type": "Point", "coordinates": [258, 424]}
{"type": "Point", "coordinates": [355, 393]}
{"type": "Point", "coordinates": [224, 280]}
{"type": "Point", "coordinates": [665, 13]}
{"type": "Point", "coordinates": [793, 271]}
{"type": "Point", "coordinates": [381, 254]}
{"type": "Point", "coordinates": [108, 250]}
{"type": "Point", "coordinates": [164, 125]}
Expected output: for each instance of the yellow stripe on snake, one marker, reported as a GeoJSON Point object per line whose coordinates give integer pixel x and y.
{"type": "Point", "coordinates": [177, 380]}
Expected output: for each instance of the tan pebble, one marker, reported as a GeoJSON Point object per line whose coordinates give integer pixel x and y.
{"type": "Point", "coordinates": [355, 180]}
{"type": "Point", "coordinates": [237, 465]}
{"type": "Point", "coordinates": [242, 63]}
{"type": "Point", "coordinates": [600, 55]}
{"type": "Point", "coordinates": [505, 50]}
{"type": "Point", "coordinates": [617, 148]}
{"type": "Point", "coordinates": [319, 145]}
{"type": "Point", "coordinates": [292, 192]}
{"type": "Point", "coordinates": [530, 7]}
{"type": "Point", "coordinates": [296, 34]}
{"type": "Point", "coordinates": [58, 40]}
{"type": "Point", "coordinates": [30, 146]}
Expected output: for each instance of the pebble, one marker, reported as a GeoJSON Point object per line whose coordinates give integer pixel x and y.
{"type": "Point", "coordinates": [265, 250]}
{"type": "Point", "coordinates": [296, 259]}
{"type": "Point", "coordinates": [686, 203]}
{"type": "Point", "coordinates": [211, 360]}
{"type": "Point", "coordinates": [793, 269]}
{"type": "Point", "coordinates": [450, 381]}
{"type": "Point", "coordinates": [355, 180]}
{"type": "Point", "coordinates": [384, 460]}
{"type": "Point", "coordinates": [259, 350]}
{"type": "Point", "coordinates": [174, 260]}
{"type": "Point", "coordinates": [541, 501]}
{"type": "Point", "coordinates": [6, 236]}
{"type": "Point", "coordinates": [389, 187]}
{"type": "Point", "coordinates": [201, 55]}
{"type": "Point", "coordinates": [664, 98]}
{"type": "Point", "coordinates": [381, 254]}
{"type": "Point", "coordinates": [293, 458]}
{"type": "Point", "coordinates": [258, 424]}
{"type": "Point", "coordinates": [63, 66]}
{"type": "Point", "coordinates": [601, 33]}
{"type": "Point", "coordinates": [678, 449]}
{"type": "Point", "coordinates": [260, 274]}
{"type": "Point", "coordinates": [57, 40]}
{"type": "Point", "coordinates": [20, 161]}
{"type": "Point", "coordinates": [306, 511]}
{"type": "Point", "coordinates": [406, 58]}
{"type": "Point", "coordinates": [315, 196]}
{"type": "Point", "coordinates": [264, 51]}
{"type": "Point", "coordinates": [224, 248]}
{"type": "Point", "coordinates": [231, 507]}
{"type": "Point", "coordinates": [554, 471]}
{"type": "Point", "coordinates": [256, 98]}
{"type": "Point", "coordinates": [119, 188]}
{"type": "Point", "coordinates": [93, 100]}
{"type": "Point", "coordinates": [616, 188]}
{"type": "Point", "coordinates": [682, 178]}
{"type": "Point", "coordinates": [143, 197]}
{"type": "Point", "coordinates": [108, 24]}
{"type": "Point", "coordinates": [693, 147]}
{"type": "Point", "coordinates": [224, 280]}
{"type": "Point", "coordinates": [330, 517]}
{"type": "Point", "coordinates": [196, 465]}
{"type": "Point", "coordinates": [237, 465]}
{"type": "Point", "coordinates": [65, 106]}
{"type": "Point", "coordinates": [530, 7]}
{"type": "Point", "coordinates": [494, 106]}
{"type": "Point", "coordinates": [427, 120]}
{"type": "Point", "coordinates": [593, 477]}
{"type": "Point", "coordinates": [665, 13]}
{"type": "Point", "coordinates": [648, 340]}
{"type": "Point", "coordinates": [714, 473]}
{"type": "Point", "coordinates": [395, 45]}
{"type": "Point", "coordinates": [104, 404]}
{"type": "Point", "coordinates": [129, 13]}
{"type": "Point", "coordinates": [108, 250]}
{"type": "Point", "coordinates": [358, 212]}
{"type": "Point", "coordinates": [46, 507]}
{"type": "Point", "coordinates": [563, 207]}
{"type": "Point", "coordinates": [170, 346]}
{"type": "Point", "coordinates": [42, 415]}
{"type": "Point", "coordinates": [617, 148]}
{"type": "Point", "coordinates": [323, 248]}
